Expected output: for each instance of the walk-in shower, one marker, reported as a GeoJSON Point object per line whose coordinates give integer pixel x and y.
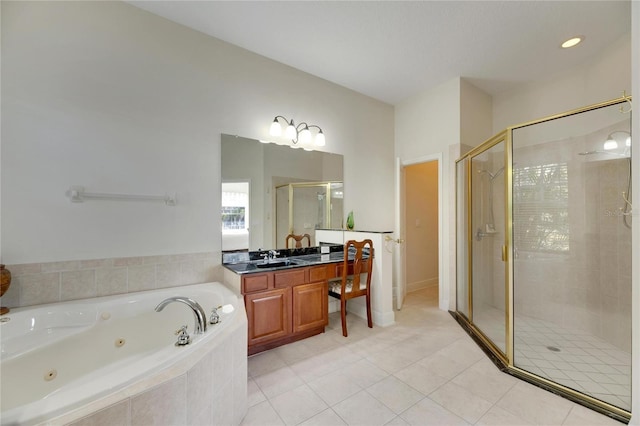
{"type": "Point", "coordinates": [544, 253]}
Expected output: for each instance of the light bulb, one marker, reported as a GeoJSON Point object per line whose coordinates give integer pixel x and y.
{"type": "Point", "coordinates": [276, 129]}
{"type": "Point", "coordinates": [610, 144]}
{"type": "Point", "coordinates": [305, 135]}
{"type": "Point", "coordinates": [572, 42]}
{"type": "Point", "coordinates": [320, 139]}
{"type": "Point", "coordinates": [290, 131]}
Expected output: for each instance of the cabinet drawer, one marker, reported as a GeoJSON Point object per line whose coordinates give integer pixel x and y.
{"type": "Point", "coordinates": [320, 273]}
{"type": "Point", "coordinates": [289, 278]}
{"type": "Point", "coordinates": [252, 283]}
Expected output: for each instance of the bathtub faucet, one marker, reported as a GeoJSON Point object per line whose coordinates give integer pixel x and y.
{"type": "Point", "coordinates": [198, 312]}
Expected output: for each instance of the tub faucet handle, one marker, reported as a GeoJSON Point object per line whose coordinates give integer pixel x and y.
{"type": "Point", "coordinates": [214, 318]}
{"type": "Point", "coordinates": [183, 336]}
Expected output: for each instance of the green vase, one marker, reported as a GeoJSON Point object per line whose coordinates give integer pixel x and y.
{"type": "Point", "coordinates": [350, 221]}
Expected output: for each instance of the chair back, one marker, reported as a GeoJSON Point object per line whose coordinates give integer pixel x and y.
{"type": "Point", "coordinates": [298, 240]}
{"type": "Point", "coordinates": [361, 254]}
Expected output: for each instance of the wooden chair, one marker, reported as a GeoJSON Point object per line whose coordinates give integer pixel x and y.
{"type": "Point", "coordinates": [298, 239]}
{"type": "Point", "coordinates": [355, 280]}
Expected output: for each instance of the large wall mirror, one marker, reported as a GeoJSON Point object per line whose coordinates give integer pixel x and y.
{"type": "Point", "coordinates": [269, 191]}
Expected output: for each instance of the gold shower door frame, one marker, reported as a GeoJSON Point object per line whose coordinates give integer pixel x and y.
{"type": "Point", "coordinates": [502, 137]}
{"type": "Point", "coordinates": [505, 361]}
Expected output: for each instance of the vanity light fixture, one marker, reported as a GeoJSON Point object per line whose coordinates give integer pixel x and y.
{"type": "Point", "coordinates": [298, 134]}
{"type": "Point", "coordinates": [573, 41]}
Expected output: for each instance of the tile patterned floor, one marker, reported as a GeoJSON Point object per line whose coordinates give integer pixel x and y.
{"type": "Point", "coordinates": [582, 362]}
{"type": "Point", "coordinates": [424, 370]}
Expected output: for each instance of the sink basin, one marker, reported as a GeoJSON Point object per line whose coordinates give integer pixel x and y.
{"type": "Point", "coordinates": [275, 263]}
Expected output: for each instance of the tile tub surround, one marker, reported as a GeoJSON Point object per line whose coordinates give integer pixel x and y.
{"type": "Point", "coordinates": [207, 388]}
{"type": "Point", "coordinates": [40, 283]}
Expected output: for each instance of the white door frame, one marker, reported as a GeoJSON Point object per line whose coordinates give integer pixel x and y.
{"type": "Point", "coordinates": [401, 225]}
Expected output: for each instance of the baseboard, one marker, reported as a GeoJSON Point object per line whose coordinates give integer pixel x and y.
{"type": "Point", "coordinates": [420, 285]}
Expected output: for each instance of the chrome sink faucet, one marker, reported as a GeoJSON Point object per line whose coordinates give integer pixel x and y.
{"type": "Point", "coordinates": [273, 254]}
{"type": "Point", "coordinates": [198, 312]}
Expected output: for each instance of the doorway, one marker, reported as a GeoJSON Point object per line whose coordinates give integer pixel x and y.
{"type": "Point", "coordinates": [419, 222]}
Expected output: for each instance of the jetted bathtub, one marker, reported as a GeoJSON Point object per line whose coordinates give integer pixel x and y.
{"type": "Point", "coordinates": [68, 361]}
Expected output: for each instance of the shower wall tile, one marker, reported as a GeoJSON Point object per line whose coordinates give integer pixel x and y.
{"type": "Point", "coordinates": [590, 288]}
{"type": "Point", "coordinates": [39, 283]}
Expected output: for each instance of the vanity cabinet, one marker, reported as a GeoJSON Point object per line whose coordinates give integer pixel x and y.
{"type": "Point", "coordinates": [285, 306]}
{"type": "Point", "coordinates": [310, 306]}
{"type": "Point", "coordinates": [269, 315]}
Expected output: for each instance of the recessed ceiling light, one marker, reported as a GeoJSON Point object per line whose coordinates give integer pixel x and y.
{"type": "Point", "coordinates": [572, 42]}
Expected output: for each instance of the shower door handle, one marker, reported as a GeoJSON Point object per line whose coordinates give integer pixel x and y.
{"type": "Point", "coordinates": [504, 253]}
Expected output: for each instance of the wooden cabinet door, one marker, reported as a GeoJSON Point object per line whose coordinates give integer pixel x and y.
{"type": "Point", "coordinates": [269, 315]}
{"type": "Point", "coordinates": [310, 308]}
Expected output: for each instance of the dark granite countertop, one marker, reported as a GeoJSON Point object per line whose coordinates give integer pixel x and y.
{"type": "Point", "coordinates": [284, 263]}
{"type": "Point", "coordinates": [287, 259]}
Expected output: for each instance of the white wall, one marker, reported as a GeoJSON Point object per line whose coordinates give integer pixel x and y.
{"type": "Point", "coordinates": [476, 115]}
{"type": "Point", "coordinates": [108, 96]}
{"type": "Point", "coordinates": [603, 78]}
{"type": "Point", "coordinates": [431, 123]}
{"type": "Point", "coordinates": [426, 125]}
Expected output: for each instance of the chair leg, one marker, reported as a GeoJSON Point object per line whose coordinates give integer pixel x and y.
{"type": "Point", "coordinates": [369, 322]}
{"type": "Point", "coordinates": [343, 314]}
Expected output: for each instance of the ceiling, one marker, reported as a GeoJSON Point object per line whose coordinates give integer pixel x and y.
{"type": "Point", "coordinates": [391, 50]}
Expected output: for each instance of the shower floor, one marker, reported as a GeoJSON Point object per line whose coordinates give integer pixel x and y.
{"type": "Point", "coordinates": [570, 357]}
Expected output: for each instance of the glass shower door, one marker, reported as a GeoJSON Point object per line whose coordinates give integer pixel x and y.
{"type": "Point", "coordinates": [572, 253]}
{"type": "Point", "coordinates": [487, 244]}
